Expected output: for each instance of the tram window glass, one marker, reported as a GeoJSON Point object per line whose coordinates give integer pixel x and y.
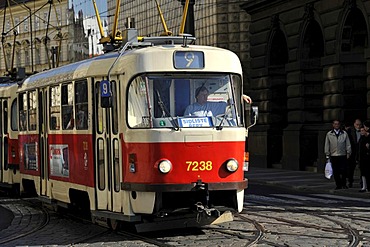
{"type": "Point", "coordinates": [171, 101]}
{"type": "Point", "coordinates": [5, 117]}
{"type": "Point", "coordinates": [81, 105]}
{"type": "Point", "coordinates": [99, 109]}
{"type": "Point", "coordinates": [101, 165]}
{"type": "Point", "coordinates": [161, 89]}
{"type": "Point", "coordinates": [138, 111]}
{"type": "Point", "coordinates": [23, 111]}
{"type": "Point", "coordinates": [32, 107]}
{"type": "Point", "coordinates": [67, 106]}
{"type": "Point", "coordinates": [236, 81]}
{"type": "Point", "coordinates": [116, 166]}
{"type": "Point", "coordinates": [1, 163]}
{"type": "Point", "coordinates": [1, 119]}
{"type": "Point", "coordinates": [114, 108]}
{"type": "Point", "coordinates": [55, 108]}
{"type": "Point", "coordinates": [14, 115]}
{"type": "Point", "coordinates": [6, 146]}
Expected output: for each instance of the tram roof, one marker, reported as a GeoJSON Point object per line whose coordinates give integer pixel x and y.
{"type": "Point", "coordinates": [7, 89]}
{"type": "Point", "coordinates": [100, 65]}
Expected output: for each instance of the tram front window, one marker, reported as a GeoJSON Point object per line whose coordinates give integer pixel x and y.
{"type": "Point", "coordinates": [184, 101]}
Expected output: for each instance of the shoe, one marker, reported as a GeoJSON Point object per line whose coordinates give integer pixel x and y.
{"type": "Point", "coordinates": [364, 190]}
{"type": "Point", "coordinates": [345, 187]}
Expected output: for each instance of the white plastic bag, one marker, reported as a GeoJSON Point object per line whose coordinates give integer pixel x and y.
{"type": "Point", "coordinates": [328, 170]}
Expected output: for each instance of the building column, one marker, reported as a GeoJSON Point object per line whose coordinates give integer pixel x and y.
{"type": "Point", "coordinates": [332, 101]}
{"type": "Point", "coordinates": [296, 117]}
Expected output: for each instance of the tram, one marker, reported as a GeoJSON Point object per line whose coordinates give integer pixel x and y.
{"type": "Point", "coordinates": [9, 155]}
{"type": "Point", "coordinates": [109, 135]}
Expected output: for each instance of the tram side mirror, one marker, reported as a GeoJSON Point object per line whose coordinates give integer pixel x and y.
{"type": "Point", "coordinates": [251, 112]}
{"type": "Point", "coordinates": [105, 94]}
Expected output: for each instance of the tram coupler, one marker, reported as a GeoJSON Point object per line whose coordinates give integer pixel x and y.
{"type": "Point", "coordinates": [204, 211]}
{"type": "Point", "coordinates": [199, 185]}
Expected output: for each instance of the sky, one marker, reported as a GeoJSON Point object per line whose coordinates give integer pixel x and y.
{"type": "Point", "coordinates": [88, 8]}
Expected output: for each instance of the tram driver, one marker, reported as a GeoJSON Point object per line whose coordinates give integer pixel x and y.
{"type": "Point", "coordinates": [202, 107]}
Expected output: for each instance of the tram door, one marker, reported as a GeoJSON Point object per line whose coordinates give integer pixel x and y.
{"type": "Point", "coordinates": [42, 99]}
{"type": "Point", "coordinates": [107, 152]}
{"type": "Point", "coordinates": [3, 139]}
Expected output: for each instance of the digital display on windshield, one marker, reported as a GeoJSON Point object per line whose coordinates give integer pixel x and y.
{"type": "Point", "coordinates": [189, 59]}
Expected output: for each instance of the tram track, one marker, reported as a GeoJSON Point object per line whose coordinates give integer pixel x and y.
{"type": "Point", "coordinates": [254, 236]}
{"type": "Point", "coordinates": [43, 214]}
{"type": "Point", "coordinates": [258, 224]}
{"type": "Point", "coordinates": [107, 232]}
{"type": "Point", "coordinates": [250, 228]}
{"type": "Point", "coordinates": [353, 235]}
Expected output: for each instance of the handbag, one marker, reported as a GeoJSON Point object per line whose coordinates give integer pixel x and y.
{"type": "Point", "coordinates": [328, 169]}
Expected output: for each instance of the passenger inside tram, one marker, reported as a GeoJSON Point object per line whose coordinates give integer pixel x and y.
{"type": "Point", "coordinates": [202, 107]}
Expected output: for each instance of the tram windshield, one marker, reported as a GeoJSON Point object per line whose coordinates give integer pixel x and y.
{"type": "Point", "coordinates": [184, 101]}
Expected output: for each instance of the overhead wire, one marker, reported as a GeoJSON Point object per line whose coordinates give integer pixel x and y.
{"type": "Point", "coordinates": [54, 28]}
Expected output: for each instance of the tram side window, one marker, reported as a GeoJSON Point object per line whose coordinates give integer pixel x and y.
{"type": "Point", "coordinates": [81, 105]}
{"type": "Point", "coordinates": [101, 165]}
{"type": "Point", "coordinates": [23, 111]}
{"type": "Point", "coordinates": [5, 116]}
{"type": "Point", "coordinates": [14, 115]}
{"type": "Point", "coordinates": [114, 108]}
{"type": "Point", "coordinates": [137, 110]}
{"type": "Point", "coordinates": [116, 165]}
{"type": "Point", "coordinates": [67, 106]}
{"type": "Point", "coordinates": [237, 88]}
{"type": "Point", "coordinates": [98, 110]}
{"type": "Point", "coordinates": [32, 110]}
{"type": "Point", "coordinates": [55, 108]}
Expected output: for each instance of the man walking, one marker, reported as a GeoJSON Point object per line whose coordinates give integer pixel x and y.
{"type": "Point", "coordinates": [354, 135]}
{"type": "Point", "coordinates": [338, 150]}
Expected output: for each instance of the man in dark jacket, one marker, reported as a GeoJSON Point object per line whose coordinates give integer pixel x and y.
{"type": "Point", "coordinates": [354, 135]}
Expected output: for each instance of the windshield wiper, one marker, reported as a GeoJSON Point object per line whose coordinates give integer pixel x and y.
{"type": "Point", "coordinates": [227, 110]}
{"type": "Point", "coordinates": [165, 112]}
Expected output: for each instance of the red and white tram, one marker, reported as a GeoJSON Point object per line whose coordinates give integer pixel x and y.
{"type": "Point", "coordinates": [109, 134]}
{"type": "Point", "coordinates": [9, 156]}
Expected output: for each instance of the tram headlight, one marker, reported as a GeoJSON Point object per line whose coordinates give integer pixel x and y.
{"type": "Point", "coordinates": [232, 165]}
{"type": "Point", "coordinates": [165, 166]}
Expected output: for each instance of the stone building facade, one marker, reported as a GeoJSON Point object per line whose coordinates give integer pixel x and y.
{"type": "Point", "coordinates": [309, 66]}
{"type": "Point", "coordinates": [218, 23]}
{"type": "Point", "coordinates": [35, 44]}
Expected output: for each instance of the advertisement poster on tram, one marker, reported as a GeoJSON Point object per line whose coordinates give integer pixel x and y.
{"type": "Point", "coordinates": [30, 156]}
{"type": "Point", "coordinates": [59, 160]}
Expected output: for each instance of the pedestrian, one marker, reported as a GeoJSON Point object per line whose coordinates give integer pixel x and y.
{"type": "Point", "coordinates": [363, 157]}
{"type": "Point", "coordinates": [338, 150]}
{"type": "Point", "coordinates": [354, 137]}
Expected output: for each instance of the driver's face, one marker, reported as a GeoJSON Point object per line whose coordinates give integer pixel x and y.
{"type": "Point", "coordinates": [202, 97]}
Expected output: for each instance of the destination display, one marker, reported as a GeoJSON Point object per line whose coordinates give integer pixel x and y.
{"type": "Point", "coordinates": [195, 122]}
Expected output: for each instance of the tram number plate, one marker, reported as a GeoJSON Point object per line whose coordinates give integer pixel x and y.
{"type": "Point", "coordinates": [196, 166]}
